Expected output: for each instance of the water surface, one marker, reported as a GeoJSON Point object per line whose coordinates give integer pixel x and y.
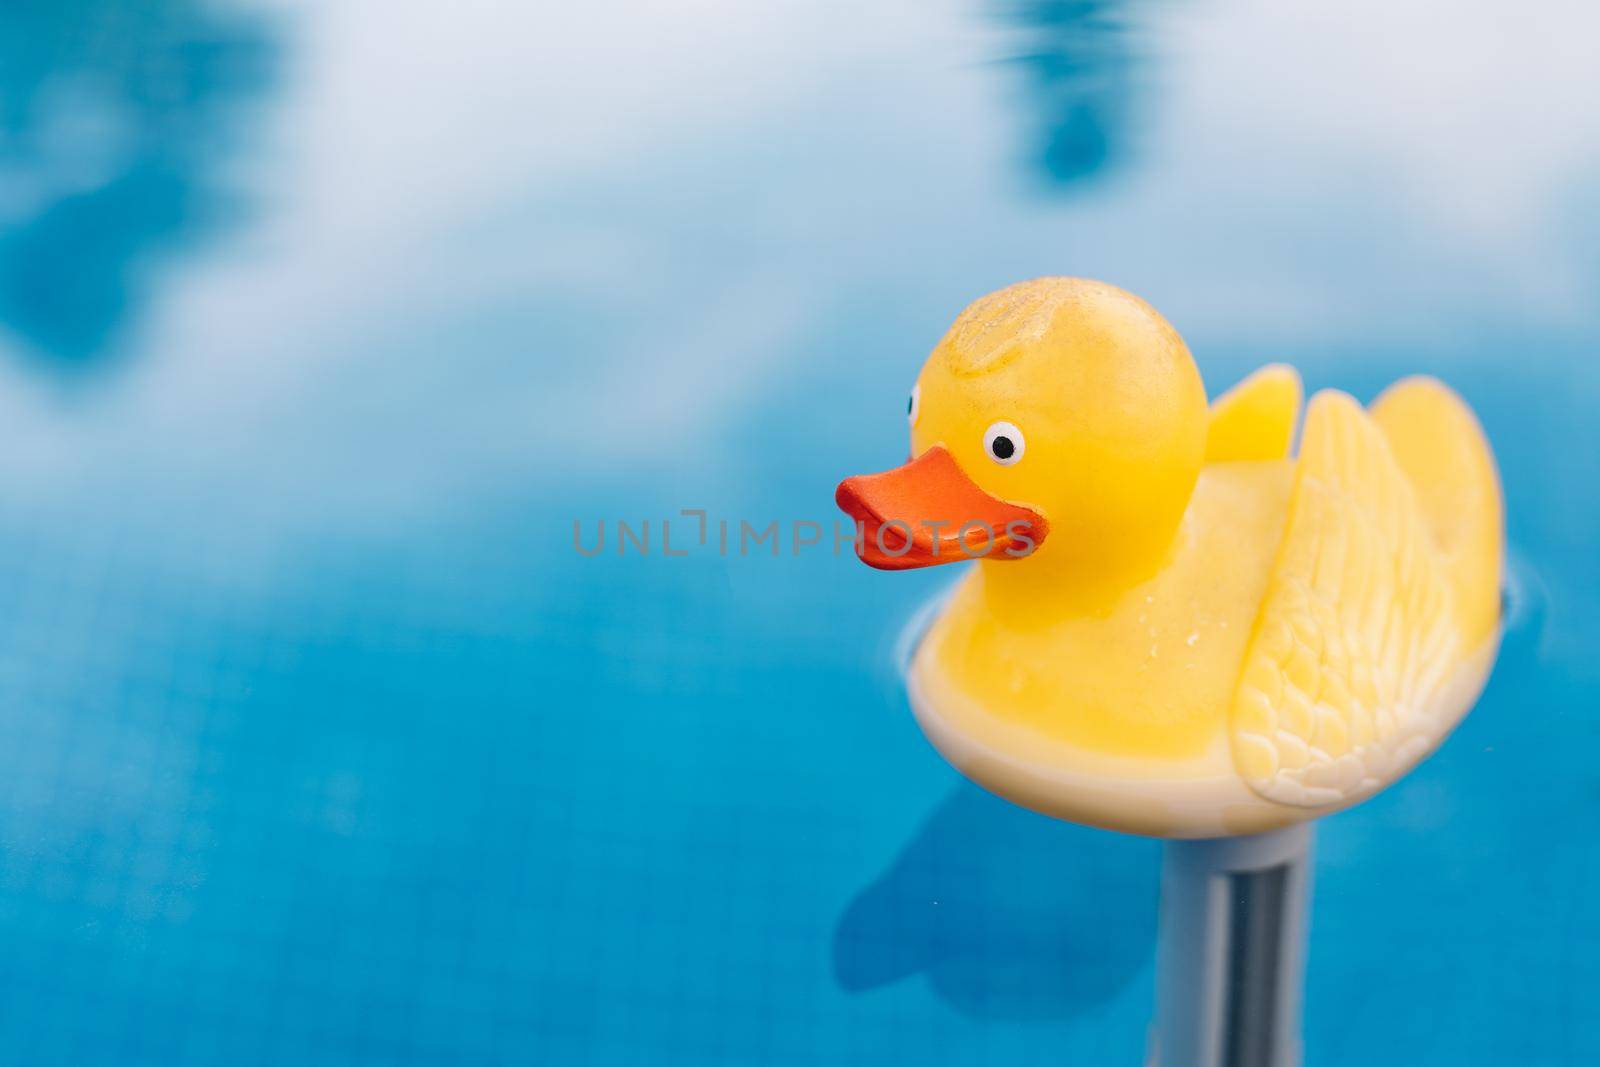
{"type": "Point", "coordinates": [319, 326]}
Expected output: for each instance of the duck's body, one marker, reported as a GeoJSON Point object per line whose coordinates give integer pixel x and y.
{"type": "Point", "coordinates": [1293, 635]}
{"type": "Point", "coordinates": [1115, 717]}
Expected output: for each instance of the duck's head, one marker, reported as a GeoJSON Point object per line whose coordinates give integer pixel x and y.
{"type": "Point", "coordinates": [1060, 424]}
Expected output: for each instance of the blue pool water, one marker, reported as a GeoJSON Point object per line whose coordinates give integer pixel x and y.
{"type": "Point", "coordinates": [320, 325]}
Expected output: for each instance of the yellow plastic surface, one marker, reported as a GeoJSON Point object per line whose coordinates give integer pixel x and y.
{"type": "Point", "coordinates": [1350, 674]}
{"type": "Point", "coordinates": [1214, 638]}
{"type": "Point", "coordinates": [1255, 419]}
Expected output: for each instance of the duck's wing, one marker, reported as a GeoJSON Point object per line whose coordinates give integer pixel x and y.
{"type": "Point", "coordinates": [1255, 419]}
{"type": "Point", "coordinates": [1439, 445]}
{"type": "Point", "coordinates": [1347, 680]}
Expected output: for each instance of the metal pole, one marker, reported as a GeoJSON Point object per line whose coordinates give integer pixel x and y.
{"type": "Point", "coordinates": [1230, 964]}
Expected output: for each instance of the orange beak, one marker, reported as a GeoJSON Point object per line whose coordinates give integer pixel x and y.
{"type": "Point", "coordinates": [929, 512]}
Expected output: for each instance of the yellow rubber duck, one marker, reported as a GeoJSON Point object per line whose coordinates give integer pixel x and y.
{"type": "Point", "coordinates": [1176, 628]}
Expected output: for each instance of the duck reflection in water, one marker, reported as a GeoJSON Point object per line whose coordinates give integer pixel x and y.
{"type": "Point", "coordinates": [1009, 914]}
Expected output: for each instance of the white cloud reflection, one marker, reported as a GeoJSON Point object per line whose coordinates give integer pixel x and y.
{"type": "Point", "coordinates": [491, 226]}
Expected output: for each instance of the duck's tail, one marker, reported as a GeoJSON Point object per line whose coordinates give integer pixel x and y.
{"type": "Point", "coordinates": [1440, 446]}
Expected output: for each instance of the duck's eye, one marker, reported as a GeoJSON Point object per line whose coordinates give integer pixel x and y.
{"type": "Point", "coordinates": [914, 404]}
{"type": "Point", "coordinates": [1003, 441]}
